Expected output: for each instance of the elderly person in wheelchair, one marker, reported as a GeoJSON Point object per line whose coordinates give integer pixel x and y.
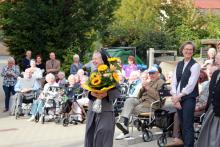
{"type": "Point", "coordinates": [39, 102]}
{"type": "Point", "coordinates": [148, 94]}
{"type": "Point", "coordinates": [26, 90]}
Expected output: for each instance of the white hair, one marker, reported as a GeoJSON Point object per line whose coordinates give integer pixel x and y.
{"type": "Point", "coordinates": [212, 50]}
{"type": "Point", "coordinates": [76, 56]}
{"type": "Point", "coordinates": [80, 71]}
{"type": "Point", "coordinates": [32, 61]}
{"type": "Point", "coordinates": [135, 73]}
{"type": "Point", "coordinates": [71, 77]}
{"type": "Point", "coordinates": [11, 59]}
{"type": "Point", "coordinates": [50, 75]}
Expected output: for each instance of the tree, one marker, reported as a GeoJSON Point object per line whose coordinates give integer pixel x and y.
{"type": "Point", "coordinates": [182, 21]}
{"type": "Point", "coordinates": [53, 25]}
{"type": "Point", "coordinates": [160, 24]}
{"type": "Point", "coordinates": [138, 23]}
{"type": "Point", "coordinates": [213, 26]}
{"type": "Point", "coordinates": [132, 19]}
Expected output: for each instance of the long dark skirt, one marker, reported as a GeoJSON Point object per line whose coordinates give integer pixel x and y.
{"type": "Point", "coordinates": [100, 129]}
{"type": "Point", "coordinates": [210, 131]}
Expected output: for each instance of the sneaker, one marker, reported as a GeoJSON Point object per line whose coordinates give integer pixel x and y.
{"type": "Point", "coordinates": [32, 118]}
{"type": "Point", "coordinates": [41, 119]}
{"type": "Point", "coordinates": [79, 118]}
{"type": "Point", "coordinates": [122, 127]}
{"type": "Point", "coordinates": [122, 136]}
{"type": "Point", "coordinates": [50, 117]}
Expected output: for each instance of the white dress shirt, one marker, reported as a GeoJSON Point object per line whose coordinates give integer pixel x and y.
{"type": "Point", "coordinates": [193, 79]}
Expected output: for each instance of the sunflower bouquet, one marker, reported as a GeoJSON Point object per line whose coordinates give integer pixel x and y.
{"type": "Point", "coordinates": [103, 80]}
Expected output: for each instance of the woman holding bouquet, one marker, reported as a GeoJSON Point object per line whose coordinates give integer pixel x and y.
{"type": "Point", "coordinates": [100, 126]}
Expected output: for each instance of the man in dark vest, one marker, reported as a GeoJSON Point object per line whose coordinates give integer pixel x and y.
{"type": "Point", "coordinates": [185, 90]}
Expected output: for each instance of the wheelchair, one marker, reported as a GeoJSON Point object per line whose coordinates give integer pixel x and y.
{"type": "Point", "coordinates": [68, 97]}
{"type": "Point", "coordinates": [24, 107]}
{"type": "Point", "coordinates": [197, 125]}
{"type": "Point", "coordinates": [52, 104]}
{"type": "Point", "coordinates": [119, 102]}
{"type": "Point", "coordinates": [69, 117]}
{"type": "Point", "coordinates": [163, 119]}
{"type": "Point", "coordinates": [156, 117]}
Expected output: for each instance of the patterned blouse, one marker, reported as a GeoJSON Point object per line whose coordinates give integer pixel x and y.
{"type": "Point", "coordinates": [10, 79]}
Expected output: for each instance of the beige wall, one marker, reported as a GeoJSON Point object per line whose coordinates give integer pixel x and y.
{"type": "Point", "coordinates": [3, 49]}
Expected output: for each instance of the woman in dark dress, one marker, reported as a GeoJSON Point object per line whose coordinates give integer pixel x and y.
{"type": "Point", "coordinates": [100, 126]}
{"type": "Point", "coordinates": [210, 131]}
{"type": "Point", "coordinates": [39, 63]}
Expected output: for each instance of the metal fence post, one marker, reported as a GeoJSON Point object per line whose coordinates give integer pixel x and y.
{"type": "Point", "coordinates": [151, 56]}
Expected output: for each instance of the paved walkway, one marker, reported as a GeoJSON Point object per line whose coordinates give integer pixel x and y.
{"type": "Point", "coordinates": [20, 133]}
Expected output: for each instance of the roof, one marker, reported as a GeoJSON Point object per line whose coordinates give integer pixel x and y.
{"type": "Point", "coordinates": [209, 41]}
{"type": "Point", "coordinates": [207, 4]}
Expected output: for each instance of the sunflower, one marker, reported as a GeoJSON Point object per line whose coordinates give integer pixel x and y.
{"type": "Point", "coordinates": [93, 75]}
{"type": "Point", "coordinates": [102, 68]}
{"type": "Point", "coordinates": [112, 59]}
{"type": "Point", "coordinates": [96, 81]}
{"type": "Point", "coordinates": [112, 67]}
{"type": "Point", "coordinates": [115, 76]}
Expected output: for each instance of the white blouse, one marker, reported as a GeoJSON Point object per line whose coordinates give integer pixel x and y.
{"type": "Point", "coordinates": [37, 74]}
{"type": "Point", "coordinates": [193, 79]}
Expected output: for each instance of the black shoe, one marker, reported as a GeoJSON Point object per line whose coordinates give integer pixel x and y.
{"type": "Point", "coordinates": [122, 127]}
{"type": "Point", "coordinates": [6, 110]}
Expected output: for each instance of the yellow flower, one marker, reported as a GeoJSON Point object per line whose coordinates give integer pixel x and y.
{"type": "Point", "coordinates": [112, 59]}
{"type": "Point", "coordinates": [115, 76]}
{"type": "Point", "coordinates": [96, 81]}
{"type": "Point", "coordinates": [102, 68]}
{"type": "Point", "coordinates": [107, 88]}
{"type": "Point", "coordinates": [87, 87]}
{"type": "Point", "coordinates": [112, 67]}
{"type": "Point", "coordinates": [93, 75]}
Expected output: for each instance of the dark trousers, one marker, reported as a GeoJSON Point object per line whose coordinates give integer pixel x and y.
{"type": "Point", "coordinates": [176, 127]}
{"type": "Point", "coordinates": [8, 91]}
{"type": "Point", "coordinates": [186, 115]}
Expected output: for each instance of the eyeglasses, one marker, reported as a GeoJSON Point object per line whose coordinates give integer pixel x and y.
{"type": "Point", "coordinates": [188, 49]}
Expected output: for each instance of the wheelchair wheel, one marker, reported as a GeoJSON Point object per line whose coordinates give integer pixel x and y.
{"type": "Point", "coordinates": [65, 122]}
{"type": "Point", "coordinates": [57, 120]}
{"type": "Point", "coordinates": [162, 141]}
{"type": "Point", "coordinates": [137, 124]}
{"type": "Point", "coordinates": [147, 136]}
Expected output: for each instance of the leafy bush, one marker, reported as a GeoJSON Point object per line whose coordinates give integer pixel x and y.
{"type": "Point", "coordinates": [53, 25]}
